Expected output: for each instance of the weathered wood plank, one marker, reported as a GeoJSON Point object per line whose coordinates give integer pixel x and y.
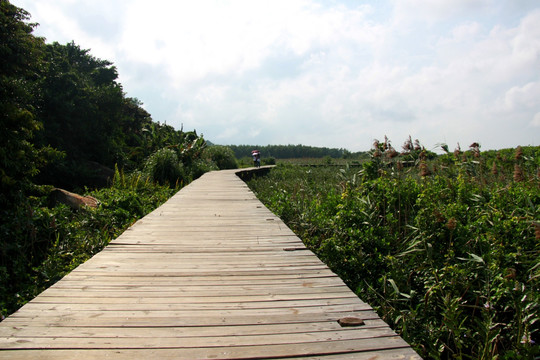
{"type": "Point", "coordinates": [21, 330]}
{"type": "Point", "coordinates": [231, 339]}
{"type": "Point", "coordinates": [269, 351]}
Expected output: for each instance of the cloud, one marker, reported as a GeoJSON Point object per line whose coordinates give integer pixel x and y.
{"type": "Point", "coordinates": [328, 74]}
{"type": "Point", "coordinates": [536, 120]}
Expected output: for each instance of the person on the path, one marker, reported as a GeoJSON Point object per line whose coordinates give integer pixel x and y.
{"type": "Point", "coordinates": [256, 154]}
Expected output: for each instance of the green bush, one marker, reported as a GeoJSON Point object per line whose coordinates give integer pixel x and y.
{"type": "Point", "coordinates": [199, 167]}
{"type": "Point", "coordinates": [222, 156]}
{"type": "Point", "coordinates": [164, 168]}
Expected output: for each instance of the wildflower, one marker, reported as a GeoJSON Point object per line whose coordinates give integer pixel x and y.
{"type": "Point", "coordinates": [451, 224]}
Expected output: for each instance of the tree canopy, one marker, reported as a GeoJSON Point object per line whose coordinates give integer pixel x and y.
{"type": "Point", "coordinates": [21, 54]}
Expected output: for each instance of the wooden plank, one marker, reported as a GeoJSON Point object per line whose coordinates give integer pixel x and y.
{"type": "Point", "coordinates": [139, 319]}
{"type": "Point", "coordinates": [144, 298]}
{"type": "Point", "coordinates": [270, 351]}
{"type": "Point", "coordinates": [185, 332]}
{"type": "Point", "coordinates": [153, 341]}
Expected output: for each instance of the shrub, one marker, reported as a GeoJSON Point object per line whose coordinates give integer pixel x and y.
{"type": "Point", "coordinates": [268, 161]}
{"type": "Point", "coordinates": [222, 156]}
{"type": "Point", "coordinates": [199, 167]}
{"type": "Point", "coordinates": [164, 168]}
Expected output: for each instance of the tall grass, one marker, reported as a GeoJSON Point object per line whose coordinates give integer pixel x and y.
{"type": "Point", "coordinates": [445, 248]}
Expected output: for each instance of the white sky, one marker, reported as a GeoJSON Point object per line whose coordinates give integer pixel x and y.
{"type": "Point", "coordinates": [320, 73]}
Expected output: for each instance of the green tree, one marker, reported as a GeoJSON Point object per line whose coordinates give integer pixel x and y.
{"type": "Point", "coordinates": [20, 160]}
{"type": "Point", "coordinates": [81, 103]}
{"type": "Point", "coordinates": [21, 55]}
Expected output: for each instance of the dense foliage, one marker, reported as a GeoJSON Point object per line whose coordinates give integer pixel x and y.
{"type": "Point", "coordinates": [222, 156]}
{"type": "Point", "coordinates": [446, 250]}
{"type": "Point", "coordinates": [67, 123]}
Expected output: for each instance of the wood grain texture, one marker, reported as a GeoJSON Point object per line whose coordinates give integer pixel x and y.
{"type": "Point", "coordinates": [211, 274]}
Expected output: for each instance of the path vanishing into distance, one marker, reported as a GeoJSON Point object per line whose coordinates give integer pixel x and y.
{"type": "Point", "coordinates": [210, 274]}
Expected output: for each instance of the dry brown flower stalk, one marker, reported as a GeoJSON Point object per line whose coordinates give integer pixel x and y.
{"type": "Point", "coordinates": [408, 145]}
{"type": "Point", "coordinates": [451, 224]}
{"type": "Point", "coordinates": [475, 148]}
{"type": "Point", "coordinates": [391, 153]}
{"type": "Point", "coordinates": [424, 169]}
{"type": "Point", "coordinates": [438, 216]}
{"type": "Point", "coordinates": [494, 169]}
{"type": "Point", "coordinates": [518, 174]}
{"type": "Point", "coordinates": [519, 153]}
{"type": "Point", "coordinates": [457, 151]}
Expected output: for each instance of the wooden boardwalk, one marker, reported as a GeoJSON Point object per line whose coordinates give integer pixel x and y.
{"type": "Point", "coordinates": [211, 274]}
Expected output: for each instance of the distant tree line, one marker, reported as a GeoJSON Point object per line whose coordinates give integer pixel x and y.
{"type": "Point", "coordinates": [291, 151]}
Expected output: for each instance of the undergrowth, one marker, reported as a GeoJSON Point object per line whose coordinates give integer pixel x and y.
{"type": "Point", "coordinates": [445, 249]}
{"type": "Point", "coordinates": [52, 241]}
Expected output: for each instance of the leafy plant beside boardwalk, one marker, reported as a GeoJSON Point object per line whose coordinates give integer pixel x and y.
{"type": "Point", "coordinates": [447, 250]}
